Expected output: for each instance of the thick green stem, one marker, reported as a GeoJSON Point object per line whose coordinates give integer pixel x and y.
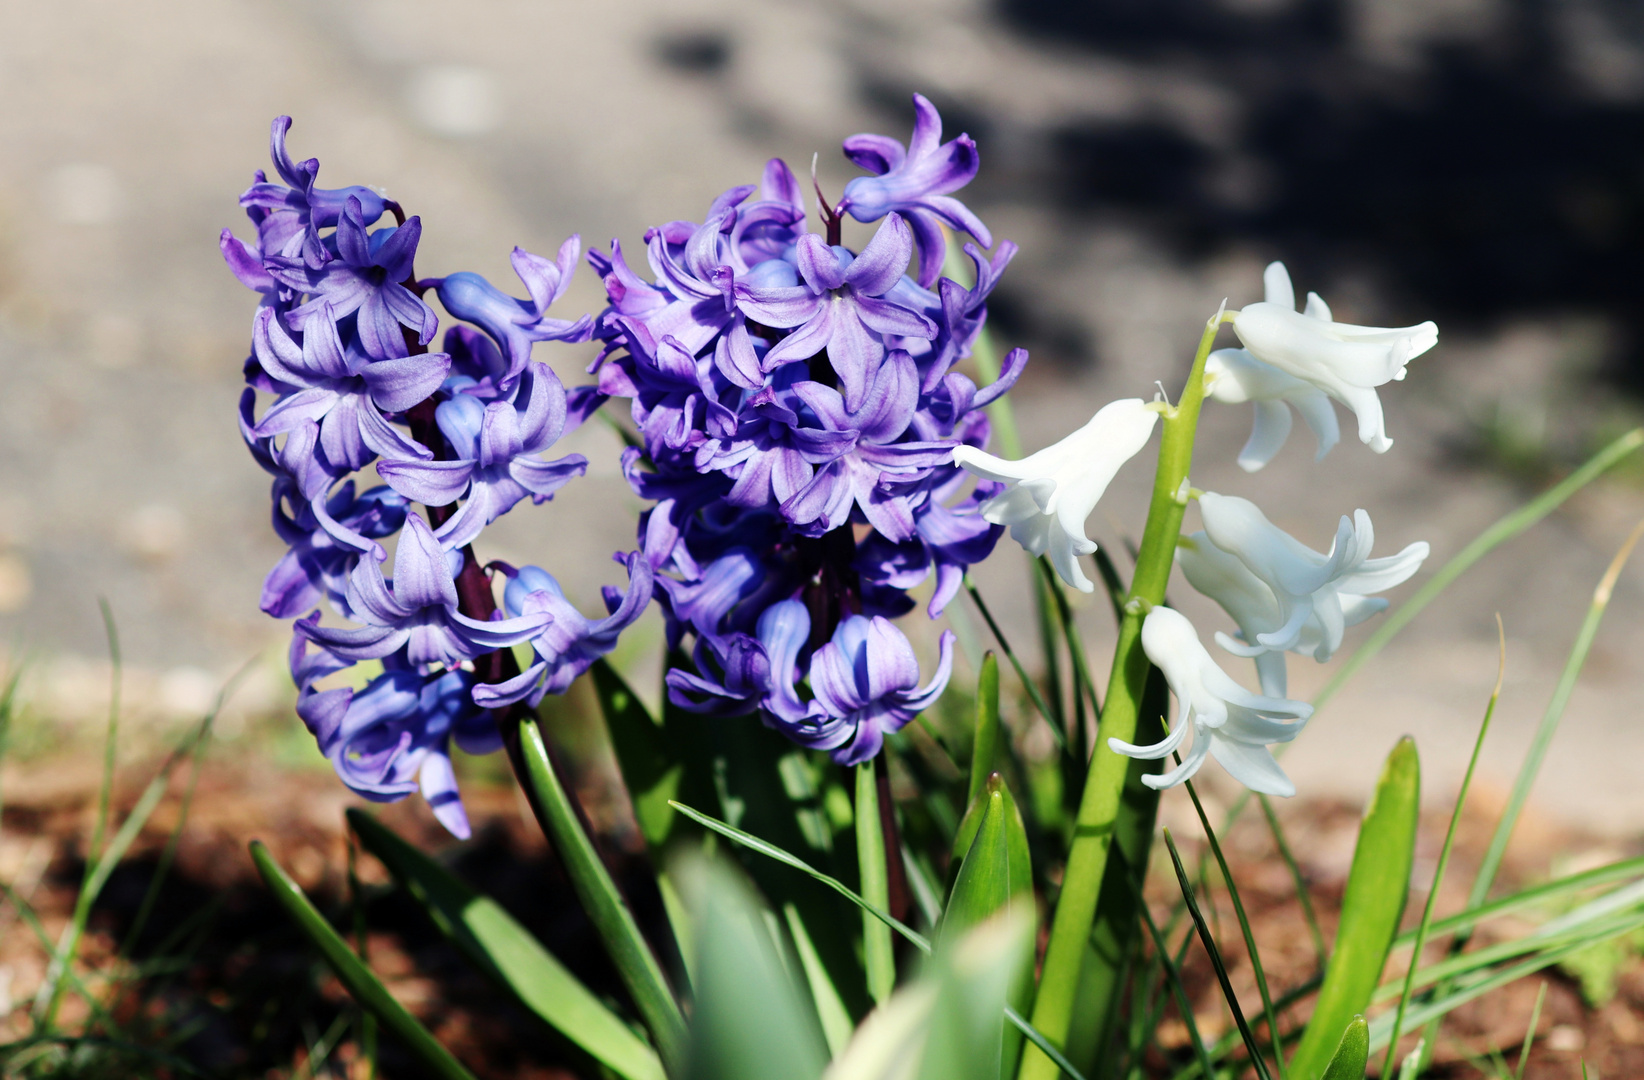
{"type": "Point", "coordinates": [878, 955]}
{"type": "Point", "coordinates": [1104, 784]}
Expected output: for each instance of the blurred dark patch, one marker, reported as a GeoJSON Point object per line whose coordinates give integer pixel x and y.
{"type": "Point", "coordinates": [1014, 319]}
{"type": "Point", "coordinates": [1494, 177]}
{"type": "Point", "coordinates": [695, 52]}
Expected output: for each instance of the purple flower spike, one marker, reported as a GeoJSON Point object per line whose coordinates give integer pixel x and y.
{"type": "Point", "coordinates": [419, 613]}
{"type": "Point", "coordinates": [569, 645]}
{"type": "Point", "coordinates": [366, 278]}
{"type": "Point", "coordinates": [916, 182]}
{"type": "Point", "coordinates": [839, 307]}
{"type": "Point", "coordinates": [864, 680]}
{"type": "Point", "coordinates": [342, 392]}
{"type": "Point", "coordinates": [516, 324]}
{"type": "Point", "coordinates": [496, 464]}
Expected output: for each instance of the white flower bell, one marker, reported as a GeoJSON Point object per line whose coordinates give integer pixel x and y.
{"type": "Point", "coordinates": [1051, 493]}
{"type": "Point", "coordinates": [1233, 376]}
{"type": "Point", "coordinates": [1227, 720]}
{"type": "Point", "coordinates": [1345, 361]}
{"type": "Point", "coordinates": [1315, 596]}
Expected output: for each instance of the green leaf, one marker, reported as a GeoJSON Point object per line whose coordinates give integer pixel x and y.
{"type": "Point", "coordinates": [750, 1021]}
{"type": "Point", "coordinates": [507, 952]}
{"type": "Point", "coordinates": [996, 864]}
{"type": "Point", "coordinates": [362, 984]}
{"type": "Point", "coordinates": [754, 843]}
{"type": "Point", "coordinates": [652, 774]}
{"type": "Point", "coordinates": [985, 750]}
{"type": "Point", "coordinates": [870, 853]}
{"type": "Point", "coordinates": [978, 973]}
{"type": "Point", "coordinates": [1377, 887]}
{"type": "Point", "coordinates": [602, 900]}
{"type": "Point", "coordinates": [1352, 1055]}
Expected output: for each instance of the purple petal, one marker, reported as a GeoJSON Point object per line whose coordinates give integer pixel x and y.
{"type": "Point", "coordinates": [439, 786]}
{"type": "Point", "coordinates": [818, 263]}
{"type": "Point", "coordinates": [890, 660]}
{"type": "Point", "coordinates": [878, 154]}
{"type": "Point", "coordinates": [543, 478]}
{"type": "Point", "coordinates": [432, 483]}
{"type": "Point", "coordinates": [885, 259]}
{"type": "Point", "coordinates": [396, 385]}
{"type": "Point", "coordinates": [422, 577]}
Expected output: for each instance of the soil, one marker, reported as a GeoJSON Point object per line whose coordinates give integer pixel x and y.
{"type": "Point", "coordinates": [244, 995]}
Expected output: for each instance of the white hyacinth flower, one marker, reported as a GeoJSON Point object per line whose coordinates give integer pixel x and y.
{"type": "Point", "coordinates": [1227, 720]}
{"type": "Point", "coordinates": [1345, 361]}
{"type": "Point", "coordinates": [1315, 596]}
{"type": "Point", "coordinates": [1233, 376]}
{"type": "Point", "coordinates": [1050, 494]}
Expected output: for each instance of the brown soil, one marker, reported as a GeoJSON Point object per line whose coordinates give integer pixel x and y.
{"type": "Point", "coordinates": [252, 998]}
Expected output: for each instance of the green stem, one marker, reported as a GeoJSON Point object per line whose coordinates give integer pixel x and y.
{"type": "Point", "coordinates": [1099, 806]}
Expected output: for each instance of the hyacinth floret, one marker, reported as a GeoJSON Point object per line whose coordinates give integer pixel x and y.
{"type": "Point", "coordinates": [797, 411]}
{"type": "Point", "coordinates": [340, 343]}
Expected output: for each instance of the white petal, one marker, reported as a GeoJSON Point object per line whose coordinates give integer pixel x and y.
{"type": "Point", "coordinates": [1316, 308]}
{"type": "Point", "coordinates": [1316, 410]}
{"type": "Point", "coordinates": [1267, 435]}
{"type": "Point", "coordinates": [1252, 766]}
{"type": "Point", "coordinates": [1276, 284]}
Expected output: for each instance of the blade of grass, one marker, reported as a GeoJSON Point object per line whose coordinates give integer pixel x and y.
{"type": "Point", "coordinates": [1047, 615]}
{"type": "Point", "coordinates": [1302, 894]}
{"type": "Point", "coordinates": [754, 843]}
{"type": "Point", "coordinates": [1601, 875]}
{"type": "Point", "coordinates": [362, 984]}
{"type": "Point", "coordinates": [1173, 972]}
{"type": "Point", "coordinates": [1497, 534]}
{"type": "Point", "coordinates": [1531, 765]}
{"type": "Point", "coordinates": [1530, 1033]}
{"type": "Point", "coordinates": [1244, 926]}
{"type": "Point", "coordinates": [607, 909]}
{"type": "Point", "coordinates": [167, 855]}
{"type": "Point", "coordinates": [1042, 1043]}
{"type": "Point", "coordinates": [1444, 854]}
{"type": "Point", "coordinates": [1075, 647]}
{"type": "Point", "coordinates": [1215, 955]}
{"type": "Point", "coordinates": [1021, 672]}
{"type": "Point", "coordinates": [50, 994]}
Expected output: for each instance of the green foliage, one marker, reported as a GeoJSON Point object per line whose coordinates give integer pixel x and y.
{"type": "Point", "coordinates": [1597, 968]}
{"type": "Point", "coordinates": [506, 952]}
{"type": "Point", "coordinates": [1352, 1054]}
{"type": "Point", "coordinates": [1377, 886]}
{"type": "Point", "coordinates": [363, 986]}
{"type": "Point", "coordinates": [752, 1020]}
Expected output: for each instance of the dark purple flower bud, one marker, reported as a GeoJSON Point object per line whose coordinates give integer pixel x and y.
{"type": "Point", "coordinates": [916, 183]}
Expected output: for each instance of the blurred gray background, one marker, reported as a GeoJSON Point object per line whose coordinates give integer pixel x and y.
{"type": "Point", "coordinates": [1479, 162]}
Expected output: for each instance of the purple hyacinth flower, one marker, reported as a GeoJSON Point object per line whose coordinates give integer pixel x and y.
{"type": "Point", "coordinates": [317, 564]}
{"type": "Point", "coordinates": [515, 324]}
{"type": "Point", "coordinates": [342, 391]}
{"type": "Point", "coordinates": [365, 280]}
{"type": "Point", "coordinates": [753, 671]}
{"type": "Point", "coordinates": [860, 478]}
{"type": "Point", "coordinates": [864, 680]}
{"type": "Point", "coordinates": [393, 737]}
{"type": "Point", "coordinates": [496, 464]}
{"type": "Point", "coordinates": [771, 453]}
{"type": "Point", "coordinates": [839, 306]}
{"type": "Point", "coordinates": [916, 183]}
{"type": "Point", "coordinates": [419, 612]}
{"type": "Point", "coordinates": [294, 214]}
{"type": "Point", "coordinates": [569, 645]}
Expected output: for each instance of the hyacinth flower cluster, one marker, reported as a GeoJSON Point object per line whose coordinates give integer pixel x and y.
{"type": "Point", "coordinates": [1283, 596]}
{"type": "Point", "coordinates": [341, 357]}
{"type": "Point", "coordinates": [798, 409]}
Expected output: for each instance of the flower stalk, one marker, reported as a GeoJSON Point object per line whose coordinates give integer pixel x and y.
{"type": "Point", "coordinates": [1104, 784]}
